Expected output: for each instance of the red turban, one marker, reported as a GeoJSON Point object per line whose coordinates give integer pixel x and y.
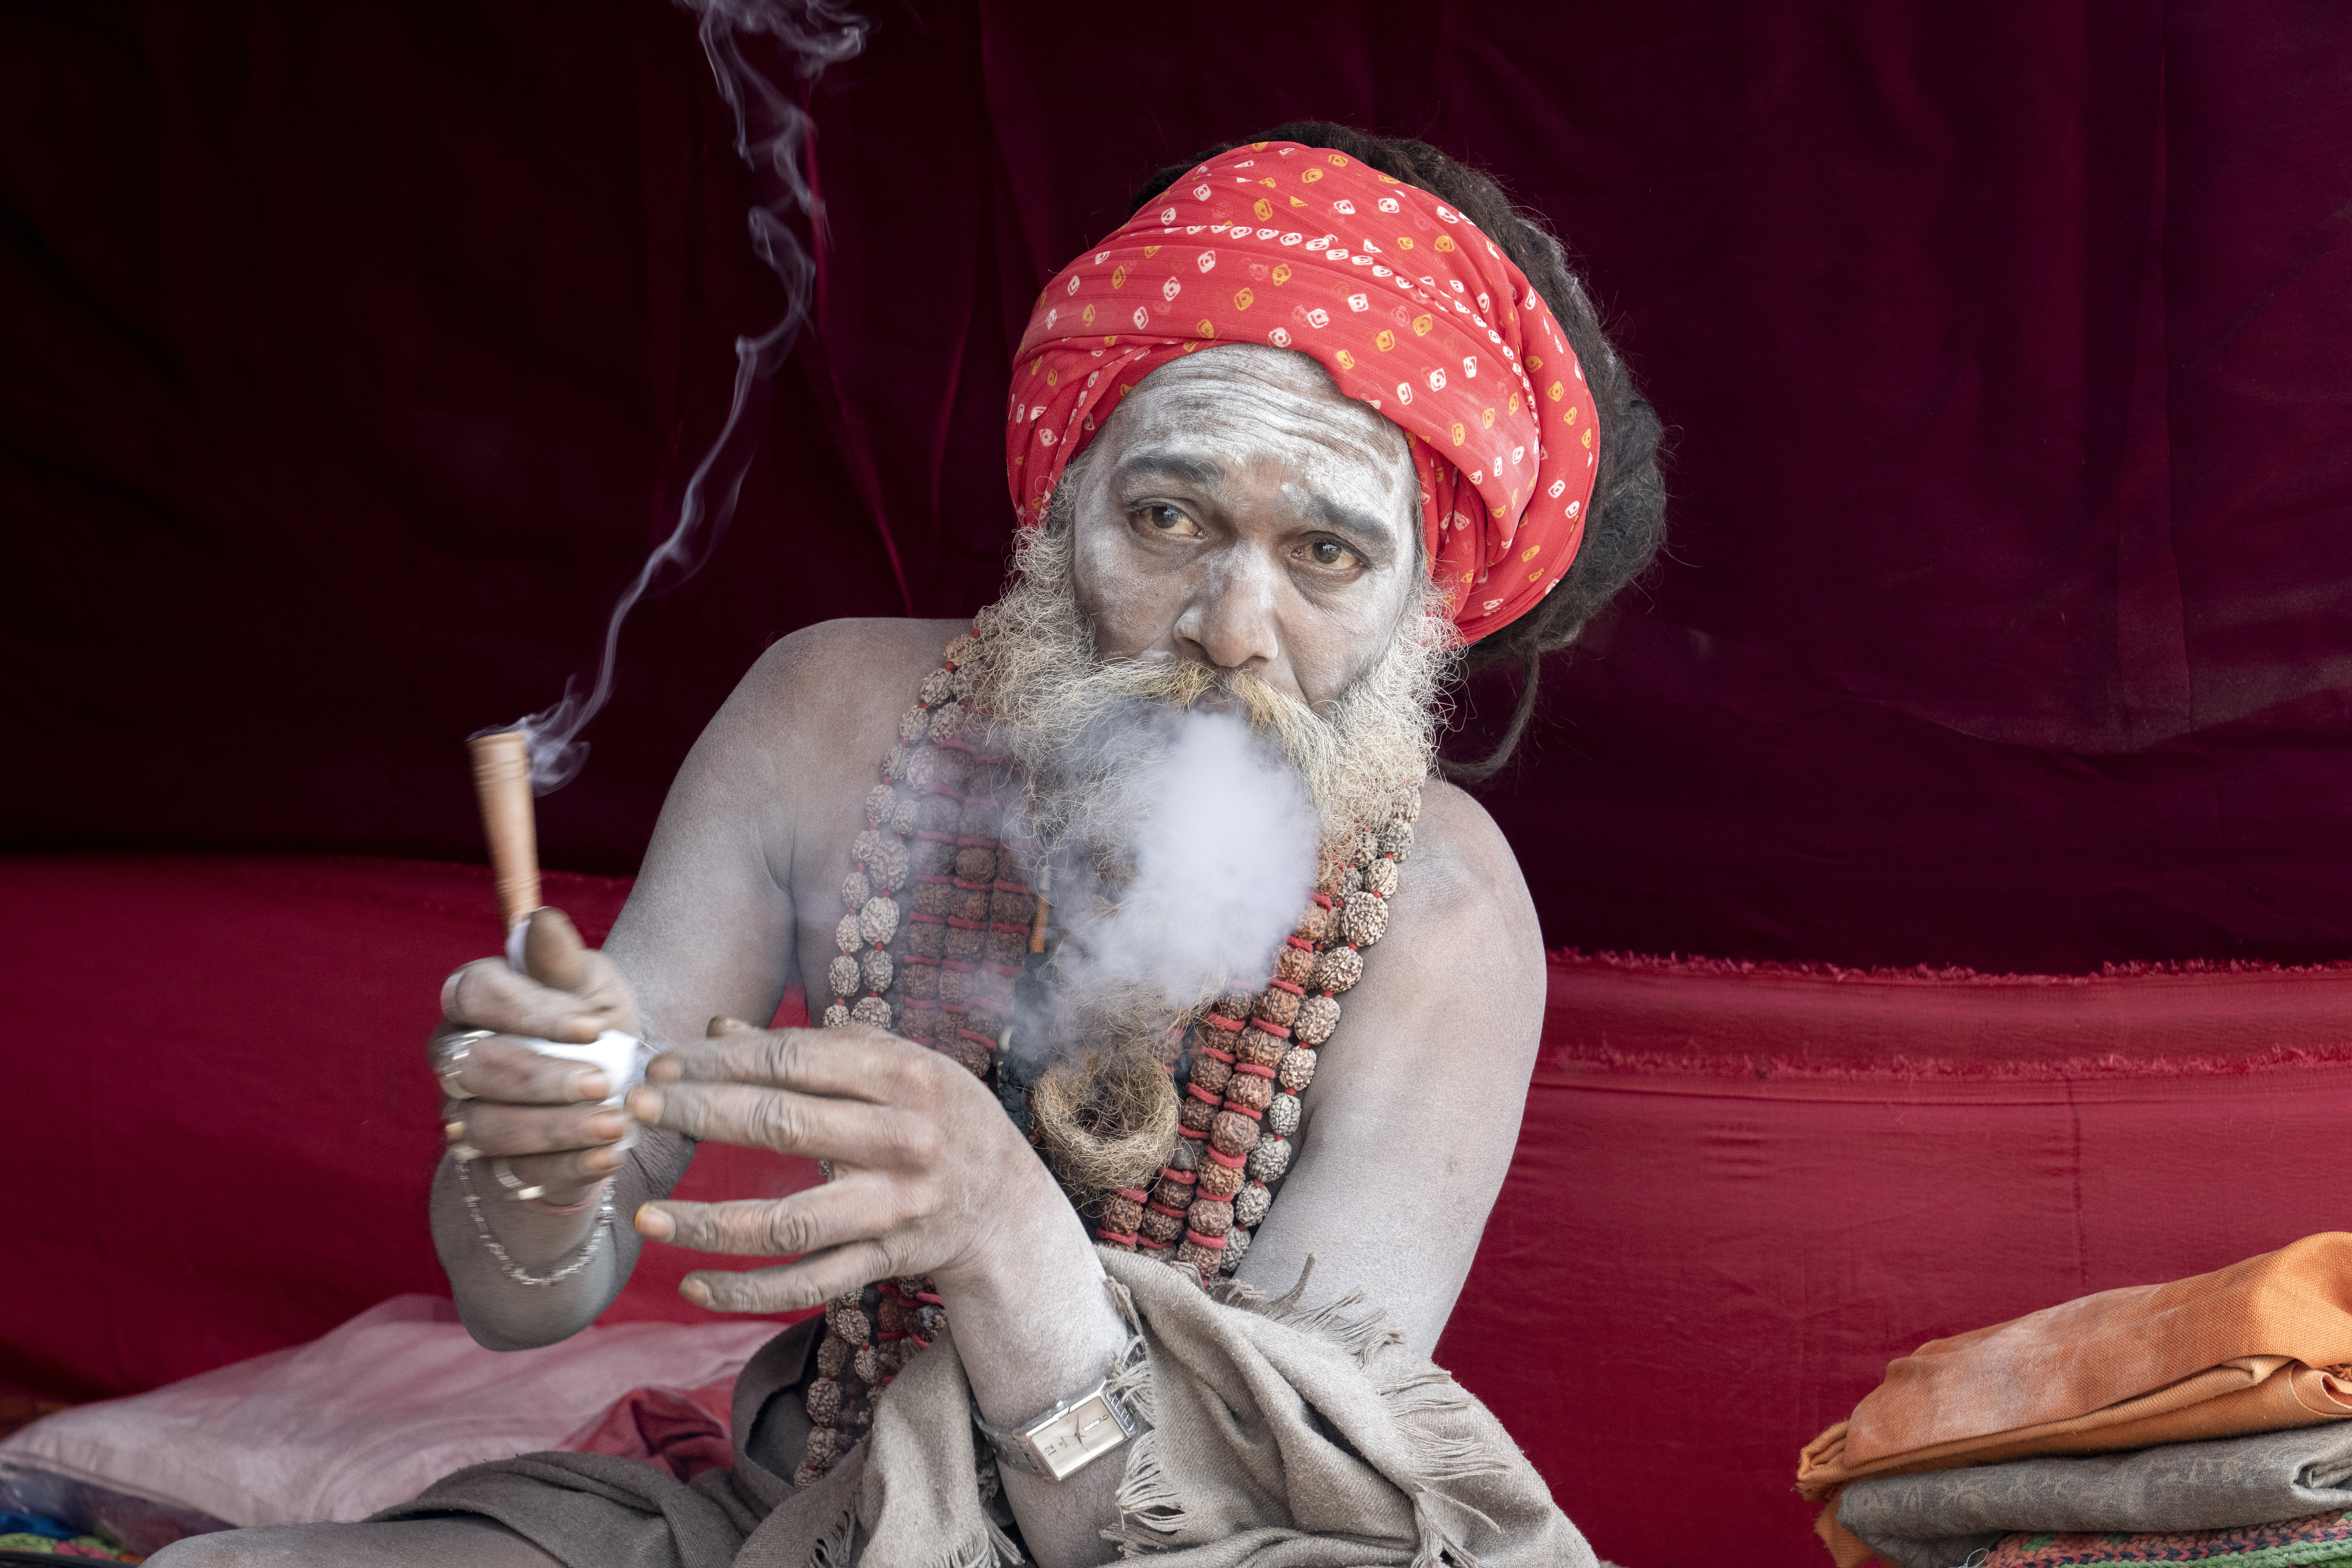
{"type": "Point", "coordinates": [1408, 306]}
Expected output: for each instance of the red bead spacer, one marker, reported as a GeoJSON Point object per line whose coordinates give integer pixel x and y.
{"type": "Point", "coordinates": [1197, 1134]}
{"type": "Point", "coordinates": [1220, 1021]}
{"type": "Point", "coordinates": [978, 1039]}
{"type": "Point", "coordinates": [929, 1298]}
{"type": "Point", "coordinates": [967, 925]}
{"type": "Point", "coordinates": [1214, 1243]}
{"type": "Point", "coordinates": [1123, 1237]}
{"type": "Point", "coordinates": [1244, 1111]}
{"type": "Point", "coordinates": [1156, 1206]}
{"type": "Point", "coordinates": [1135, 1195]}
{"type": "Point", "coordinates": [1202, 1095]}
{"type": "Point", "coordinates": [959, 967]}
{"type": "Point", "coordinates": [1301, 942]}
{"type": "Point", "coordinates": [1154, 1246]}
{"type": "Point", "coordinates": [1003, 886]}
{"type": "Point", "coordinates": [1254, 1069]}
{"type": "Point", "coordinates": [956, 745]}
{"type": "Point", "coordinates": [1324, 900]}
{"type": "Point", "coordinates": [917, 958]}
{"type": "Point", "coordinates": [968, 886]}
{"type": "Point", "coordinates": [1230, 1161]}
{"type": "Point", "coordinates": [926, 920]}
{"type": "Point", "coordinates": [1213, 1051]}
{"type": "Point", "coordinates": [1021, 926]}
{"type": "Point", "coordinates": [935, 838]}
{"type": "Point", "coordinates": [1171, 1174]}
{"type": "Point", "coordinates": [1279, 1031]}
{"type": "Point", "coordinates": [1010, 971]}
{"type": "Point", "coordinates": [1286, 986]}
{"type": "Point", "coordinates": [975, 843]}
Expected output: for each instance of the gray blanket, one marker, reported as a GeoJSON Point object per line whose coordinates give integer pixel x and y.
{"type": "Point", "coordinates": [1937, 1519]}
{"type": "Point", "coordinates": [1282, 1437]}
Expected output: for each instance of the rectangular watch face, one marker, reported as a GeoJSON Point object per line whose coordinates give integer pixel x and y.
{"type": "Point", "coordinates": [1069, 1441]}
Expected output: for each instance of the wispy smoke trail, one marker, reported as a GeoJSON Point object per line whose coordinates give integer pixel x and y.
{"type": "Point", "coordinates": [771, 129]}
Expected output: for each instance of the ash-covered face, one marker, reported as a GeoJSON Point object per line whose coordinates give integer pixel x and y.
{"type": "Point", "coordinates": [1237, 512]}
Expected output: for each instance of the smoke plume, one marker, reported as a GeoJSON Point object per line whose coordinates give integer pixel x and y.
{"type": "Point", "coordinates": [771, 129]}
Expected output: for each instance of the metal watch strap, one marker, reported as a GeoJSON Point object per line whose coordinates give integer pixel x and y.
{"type": "Point", "coordinates": [1066, 1438]}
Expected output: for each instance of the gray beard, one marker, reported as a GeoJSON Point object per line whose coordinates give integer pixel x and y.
{"type": "Point", "coordinates": [1071, 719]}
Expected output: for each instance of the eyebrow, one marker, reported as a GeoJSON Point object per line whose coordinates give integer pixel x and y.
{"type": "Point", "coordinates": [1364, 528]}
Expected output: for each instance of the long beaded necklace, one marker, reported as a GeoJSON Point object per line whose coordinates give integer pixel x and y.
{"type": "Point", "coordinates": [935, 819]}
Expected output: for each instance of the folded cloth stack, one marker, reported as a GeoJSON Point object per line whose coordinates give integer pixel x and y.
{"type": "Point", "coordinates": [2242, 1377]}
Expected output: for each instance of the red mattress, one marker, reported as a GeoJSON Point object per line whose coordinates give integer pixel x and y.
{"type": "Point", "coordinates": [1738, 1191]}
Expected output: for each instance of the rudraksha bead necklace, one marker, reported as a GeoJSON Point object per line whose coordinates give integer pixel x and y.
{"type": "Point", "coordinates": [936, 820]}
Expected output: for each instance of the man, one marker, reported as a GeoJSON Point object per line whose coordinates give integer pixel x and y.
{"type": "Point", "coordinates": [1325, 410]}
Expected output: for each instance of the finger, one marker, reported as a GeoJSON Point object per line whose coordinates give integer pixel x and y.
{"type": "Point", "coordinates": [723, 1024]}
{"type": "Point", "coordinates": [816, 1126]}
{"type": "Point", "coordinates": [553, 952]}
{"type": "Point", "coordinates": [509, 1070]}
{"type": "Point", "coordinates": [820, 1216]}
{"type": "Point", "coordinates": [564, 1174]}
{"type": "Point", "coordinates": [810, 1282]}
{"type": "Point", "coordinates": [488, 995]}
{"type": "Point", "coordinates": [853, 1063]}
{"type": "Point", "coordinates": [496, 1129]}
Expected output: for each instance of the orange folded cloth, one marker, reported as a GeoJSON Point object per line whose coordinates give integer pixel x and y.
{"type": "Point", "coordinates": [2256, 1347]}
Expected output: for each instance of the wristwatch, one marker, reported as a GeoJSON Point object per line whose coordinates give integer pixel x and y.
{"type": "Point", "coordinates": [1066, 1438]}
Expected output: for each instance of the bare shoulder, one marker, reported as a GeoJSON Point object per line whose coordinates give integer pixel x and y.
{"type": "Point", "coordinates": [1462, 890]}
{"type": "Point", "coordinates": [820, 671]}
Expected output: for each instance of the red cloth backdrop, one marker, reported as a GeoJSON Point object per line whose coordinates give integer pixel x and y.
{"type": "Point", "coordinates": [1737, 1193]}
{"type": "Point", "coordinates": [355, 354]}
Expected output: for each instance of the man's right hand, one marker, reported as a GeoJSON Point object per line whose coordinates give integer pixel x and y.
{"type": "Point", "coordinates": [540, 1113]}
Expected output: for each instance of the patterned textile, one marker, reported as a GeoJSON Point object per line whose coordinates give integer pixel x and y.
{"type": "Point", "coordinates": [1400, 297]}
{"type": "Point", "coordinates": [2313, 1541]}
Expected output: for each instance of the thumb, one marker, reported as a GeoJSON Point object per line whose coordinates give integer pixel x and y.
{"type": "Point", "coordinates": [553, 952]}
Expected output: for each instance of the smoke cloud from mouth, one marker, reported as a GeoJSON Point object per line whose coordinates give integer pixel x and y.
{"type": "Point", "coordinates": [771, 131]}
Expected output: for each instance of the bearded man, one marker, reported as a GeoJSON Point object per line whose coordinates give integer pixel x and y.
{"type": "Point", "coordinates": [1324, 423]}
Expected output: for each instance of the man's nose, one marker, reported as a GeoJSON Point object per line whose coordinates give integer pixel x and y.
{"type": "Point", "coordinates": [1230, 620]}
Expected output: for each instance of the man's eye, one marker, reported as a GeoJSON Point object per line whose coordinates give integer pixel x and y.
{"type": "Point", "coordinates": [1167, 520]}
{"type": "Point", "coordinates": [1330, 553]}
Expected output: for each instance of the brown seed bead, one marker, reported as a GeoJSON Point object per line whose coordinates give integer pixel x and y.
{"type": "Point", "coordinates": [1236, 1248]}
{"type": "Point", "coordinates": [1209, 1073]}
{"type": "Point", "coordinates": [902, 818]}
{"type": "Point", "coordinates": [1318, 1016]}
{"type": "Point", "coordinates": [1011, 908]}
{"type": "Point", "coordinates": [1298, 1069]}
{"type": "Point", "coordinates": [1251, 1204]}
{"type": "Point", "coordinates": [947, 720]}
{"type": "Point", "coordinates": [1232, 1004]}
{"type": "Point", "coordinates": [939, 813]}
{"type": "Point", "coordinates": [1207, 1259]}
{"type": "Point", "coordinates": [1167, 1189]}
{"type": "Point", "coordinates": [954, 767]}
{"type": "Point", "coordinates": [1275, 1006]}
{"type": "Point", "coordinates": [976, 865]}
{"type": "Point", "coordinates": [963, 649]}
{"type": "Point", "coordinates": [1331, 881]}
{"type": "Point", "coordinates": [980, 819]}
{"type": "Point", "coordinates": [1232, 1133]}
{"type": "Point", "coordinates": [879, 971]}
{"type": "Point", "coordinates": [928, 939]}
{"type": "Point", "coordinates": [1294, 964]}
{"type": "Point", "coordinates": [891, 1315]}
{"type": "Point", "coordinates": [970, 905]}
{"type": "Point", "coordinates": [888, 867]}
{"type": "Point", "coordinates": [1312, 924]}
{"type": "Point", "coordinates": [825, 1401]}
{"type": "Point", "coordinates": [1366, 919]}
{"type": "Point", "coordinates": [833, 1355]}
{"type": "Point", "coordinates": [1157, 1226]}
{"type": "Point", "coordinates": [1338, 970]}
{"type": "Point", "coordinates": [867, 1362]}
{"type": "Point", "coordinates": [1250, 1090]}
{"type": "Point", "coordinates": [1195, 1114]}
{"type": "Point", "coordinates": [1210, 1217]}
{"type": "Point", "coordinates": [976, 1058]}
{"type": "Point", "coordinates": [964, 945]}
{"type": "Point", "coordinates": [1007, 946]}
{"type": "Point", "coordinates": [934, 898]}
{"type": "Point", "coordinates": [1259, 1049]}
{"type": "Point", "coordinates": [1368, 849]}
{"type": "Point", "coordinates": [825, 1446]}
{"type": "Point", "coordinates": [955, 985]}
{"type": "Point", "coordinates": [1381, 877]}
{"type": "Point", "coordinates": [1186, 1156]}
{"type": "Point", "coordinates": [1351, 881]}
{"type": "Point", "coordinates": [1396, 839]}
{"type": "Point", "coordinates": [841, 975]}
{"type": "Point", "coordinates": [920, 981]}
{"type": "Point", "coordinates": [1121, 1214]}
{"type": "Point", "coordinates": [1269, 1159]}
{"type": "Point", "coordinates": [1218, 1181]}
